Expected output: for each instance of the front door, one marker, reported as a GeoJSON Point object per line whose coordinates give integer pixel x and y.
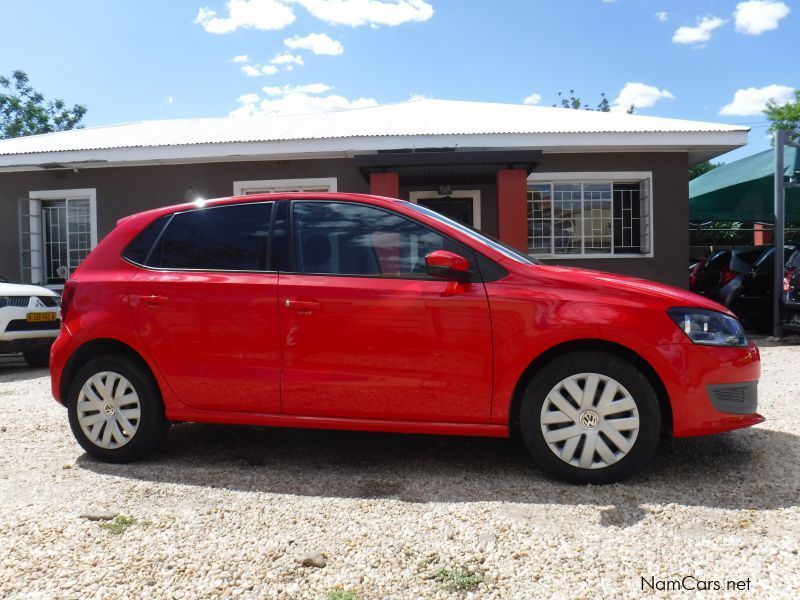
{"type": "Point", "coordinates": [458, 209]}
{"type": "Point", "coordinates": [367, 333]}
{"type": "Point", "coordinates": [206, 309]}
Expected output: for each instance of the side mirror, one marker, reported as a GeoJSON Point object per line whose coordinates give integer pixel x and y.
{"type": "Point", "coordinates": [448, 265]}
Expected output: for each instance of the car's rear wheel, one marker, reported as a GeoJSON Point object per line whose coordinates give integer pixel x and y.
{"type": "Point", "coordinates": [590, 417]}
{"type": "Point", "coordinates": [115, 409]}
{"type": "Point", "coordinates": [37, 358]}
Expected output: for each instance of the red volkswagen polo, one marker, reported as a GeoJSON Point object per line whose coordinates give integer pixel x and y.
{"type": "Point", "coordinates": [345, 311]}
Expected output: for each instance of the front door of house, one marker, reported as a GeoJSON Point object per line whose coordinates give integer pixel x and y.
{"type": "Point", "coordinates": [458, 209]}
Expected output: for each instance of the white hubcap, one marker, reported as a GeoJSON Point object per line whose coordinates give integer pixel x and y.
{"type": "Point", "coordinates": [108, 410]}
{"type": "Point", "coordinates": [589, 420]}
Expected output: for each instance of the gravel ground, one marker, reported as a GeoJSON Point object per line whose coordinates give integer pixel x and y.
{"type": "Point", "coordinates": [234, 512]}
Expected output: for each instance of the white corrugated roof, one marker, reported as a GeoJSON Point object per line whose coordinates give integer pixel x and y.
{"type": "Point", "coordinates": [412, 124]}
{"type": "Point", "coordinates": [412, 118]}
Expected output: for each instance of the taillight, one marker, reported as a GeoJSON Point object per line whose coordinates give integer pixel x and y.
{"type": "Point", "coordinates": [787, 279]}
{"type": "Point", "coordinates": [66, 297]}
{"type": "Point", "coordinates": [726, 275]}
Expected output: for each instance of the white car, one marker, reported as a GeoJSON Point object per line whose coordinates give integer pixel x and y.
{"type": "Point", "coordinates": [29, 321]}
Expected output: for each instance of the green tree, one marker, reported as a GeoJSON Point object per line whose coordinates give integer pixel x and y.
{"type": "Point", "coordinates": [703, 167]}
{"type": "Point", "coordinates": [576, 103]}
{"type": "Point", "coordinates": [784, 116]}
{"type": "Point", "coordinates": [24, 111]}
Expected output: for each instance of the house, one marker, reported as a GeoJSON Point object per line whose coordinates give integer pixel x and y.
{"type": "Point", "coordinates": [606, 191]}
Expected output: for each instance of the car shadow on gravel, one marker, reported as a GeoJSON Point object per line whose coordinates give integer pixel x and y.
{"type": "Point", "coordinates": [13, 368]}
{"type": "Point", "coordinates": [749, 469]}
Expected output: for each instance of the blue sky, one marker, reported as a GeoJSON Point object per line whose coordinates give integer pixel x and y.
{"type": "Point", "coordinates": [175, 59]}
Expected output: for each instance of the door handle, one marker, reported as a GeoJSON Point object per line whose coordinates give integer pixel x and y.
{"type": "Point", "coordinates": [303, 306]}
{"type": "Point", "coordinates": [154, 300]}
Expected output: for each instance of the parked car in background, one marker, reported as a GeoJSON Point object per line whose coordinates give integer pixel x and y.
{"type": "Point", "coordinates": [791, 300]}
{"type": "Point", "coordinates": [720, 277]}
{"type": "Point", "coordinates": [29, 321]}
{"type": "Point", "coordinates": [754, 304]}
{"type": "Point", "coordinates": [346, 311]}
{"type": "Point", "coordinates": [694, 269]}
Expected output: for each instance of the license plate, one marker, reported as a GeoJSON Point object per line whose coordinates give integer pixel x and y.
{"type": "Point", "coordinates": [41, 316]}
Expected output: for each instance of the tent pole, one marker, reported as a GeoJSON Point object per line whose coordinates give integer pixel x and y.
{"type": "Point", "coordinates": [780, 219]}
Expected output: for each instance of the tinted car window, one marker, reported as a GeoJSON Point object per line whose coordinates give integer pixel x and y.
{"type": "Point", "coordinates": [354, 239]}
{"type": "Point", "coordinates": [138, 250]}
{"type": "Point", "coordinates": [224, 238]}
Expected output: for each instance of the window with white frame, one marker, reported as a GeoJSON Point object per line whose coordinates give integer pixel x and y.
{"type": "Point", "coordinates": [58, 229]}
{"type": "Point", "coordinates": [262, 186]}
{"type": "Point", "coordinates": [587, 217]}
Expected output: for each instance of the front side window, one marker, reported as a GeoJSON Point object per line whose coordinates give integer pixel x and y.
{"type": "Point", "coordinates": [353, 239]}
{"type": "Point", "coordinates": [588, 218]}
{"type": "Point", "coordinates": [222, 238]}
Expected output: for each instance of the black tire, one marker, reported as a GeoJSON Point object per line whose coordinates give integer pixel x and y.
{"type": "Point", "coordinates": [152, 425]}
{"type": "Point", "coordinates": [608, 365]}
{"type": "Point", "coordinates": [38, 358]}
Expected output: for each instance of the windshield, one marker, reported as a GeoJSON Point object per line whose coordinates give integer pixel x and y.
{"type": "Point", "coordinates": [476, 235]}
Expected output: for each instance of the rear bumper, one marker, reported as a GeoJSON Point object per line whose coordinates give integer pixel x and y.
{"type": "Point", "coordinates": [711, 389]}
{"type": "Point", "coordinates": [59, 353]}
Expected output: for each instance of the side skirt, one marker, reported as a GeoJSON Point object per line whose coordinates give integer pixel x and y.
{"type": "Point", "coordinates": [304, 422]}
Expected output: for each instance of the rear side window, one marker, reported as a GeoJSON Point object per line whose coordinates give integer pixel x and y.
{"type": "Point", "coordinates": [223, 238]}
{"type": "Point", "coordinates": [138, 250]}
{"type": "Point", "coordinates": [718, 260]}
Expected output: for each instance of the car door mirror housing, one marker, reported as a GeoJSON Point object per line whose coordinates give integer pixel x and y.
{"type": "Point", "coordinates": [448, 265]}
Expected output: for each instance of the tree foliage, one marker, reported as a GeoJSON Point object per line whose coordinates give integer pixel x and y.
{"type": "Point", "coordinates": [24, 111]}
{"type": "Point", "coordinates": [784, 116]}
{"type": "Point", "coordinates": [702, 168]}
{"type": "Point", "coordinates": [574, 102]}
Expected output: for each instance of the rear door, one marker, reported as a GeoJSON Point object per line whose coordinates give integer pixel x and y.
{"type": "Point", "coordinates": [205, 308]}
{"type": "Point", "coordinates": [367, 333]}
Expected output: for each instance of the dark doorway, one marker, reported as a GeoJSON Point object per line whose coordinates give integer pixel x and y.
{"type": "Point", "coordinates": [458, 209]}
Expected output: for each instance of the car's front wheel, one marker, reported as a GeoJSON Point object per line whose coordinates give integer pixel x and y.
{"type": "Point", "coordinates": [115, 409]}
{"type": "Point", "coordinates": [590, 417]}
{"type": "Point", "coordinates": [37, 358]}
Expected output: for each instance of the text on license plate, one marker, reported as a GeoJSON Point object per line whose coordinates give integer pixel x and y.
{"type": "Point", "coordinates": [41, 316]}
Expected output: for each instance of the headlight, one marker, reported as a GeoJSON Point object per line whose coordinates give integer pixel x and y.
{"type": "Point", "coordinates": [709, 327]}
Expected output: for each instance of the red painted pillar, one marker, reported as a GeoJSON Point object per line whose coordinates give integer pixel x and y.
{"type": "Point", "coordinates": [761, 235]}
{"type": "Point", "coordinates": [512, 208]}
{"type": "Point", "coordinates": [384, 184]}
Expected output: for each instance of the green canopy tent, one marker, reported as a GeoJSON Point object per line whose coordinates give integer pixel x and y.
{"type": "Point", "coordinates": [744, 190]}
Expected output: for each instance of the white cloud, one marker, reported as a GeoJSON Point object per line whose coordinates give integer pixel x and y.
{"type": "Point", "coordinates": [368, 12]}
{"type": "Point", "coordinates": [257, 14]}
{"type": "Point", "coordinates": [269, 70]}
{"type": "Point", "coordinates": [532, 99]}
{"type": "Point", "coordinates": [287, 58]}
{"type": "Point", "coordinates": [294, 101]}
{"type": "Point", "coordinates": [639, 95]}
{"type": "Point", "coordinates": [306, 88]}
{"type": "Point", "coordinates": [699, 34]}
{"type": "Point", "coordinates": [241, 58]}
{"type": "Point", "coordinates": [251, 71]}
{"type": "Point", "coordinates": [170, 99]}
{"type": "Point", "coordinates": [318, 43]}
{"type": "Point", "coordinates": [751, 101]}
{"type": "Point", "coordinates": [662, 15]}
{"type": "Point", "coordinates": [754, 17]}
{"type": "Point", "coordinates": [277, 14]}
{"type": "Point", "coordinates": [272, 90]}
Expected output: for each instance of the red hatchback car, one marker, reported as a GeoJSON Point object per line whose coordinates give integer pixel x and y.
{"type": "Point", "coordinates": [346, 311]}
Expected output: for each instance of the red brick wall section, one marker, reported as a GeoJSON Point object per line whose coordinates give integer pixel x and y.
{"type": "Point", "coordinates": [512, 209]}
{"type": "Point", "coordinates": [384, 184]}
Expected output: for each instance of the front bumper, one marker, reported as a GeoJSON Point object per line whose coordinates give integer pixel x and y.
{"type": "Point", "coordinates": [711, 389]}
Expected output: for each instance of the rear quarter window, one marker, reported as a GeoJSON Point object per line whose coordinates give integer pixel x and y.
{"type": "Point", "coordinates": [139, 249]}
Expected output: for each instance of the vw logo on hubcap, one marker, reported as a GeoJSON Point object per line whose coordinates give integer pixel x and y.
{"type": "Point", "coordinates": [589, 419]}
{"type": "Point", "coordinates": [109, 409]}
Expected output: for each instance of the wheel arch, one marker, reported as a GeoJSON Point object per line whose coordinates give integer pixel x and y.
{"type": "Point", "coordinates": [623, 352]}
{"type": "Point", "coordinates": [92, 349]}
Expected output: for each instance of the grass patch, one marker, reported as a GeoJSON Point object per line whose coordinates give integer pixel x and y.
{"type": "Point", "coordinates": [118, 524]}
{"type": "Point", "coordinates": [340, 594]}
{"type": "Point", "coordinates": [458, 579]}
